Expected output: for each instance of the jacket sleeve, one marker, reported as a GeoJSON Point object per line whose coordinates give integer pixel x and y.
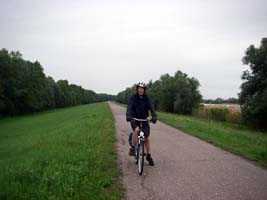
{"type": "Point", "coordinates": [129, 112]}
{"type": "Point", "coordinates": [152, 110]}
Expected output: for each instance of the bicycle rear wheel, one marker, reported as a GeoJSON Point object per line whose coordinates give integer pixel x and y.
{"type": "Point", "coordinates": [140, 156]}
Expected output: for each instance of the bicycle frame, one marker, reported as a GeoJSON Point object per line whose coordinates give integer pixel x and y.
{"type": "Point", "coordinates": [141, 138]}
{"type": "Point", "coordinates": [139, 147]}
{"type": "Point", "coordinates": [141, 135]}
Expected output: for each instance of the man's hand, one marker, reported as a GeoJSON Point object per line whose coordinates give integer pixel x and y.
{"type": "Point", "coordinates": [137, 129]}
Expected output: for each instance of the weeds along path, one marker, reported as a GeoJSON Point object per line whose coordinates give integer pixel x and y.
{"type": "Point", "coordinates": [186, 168]}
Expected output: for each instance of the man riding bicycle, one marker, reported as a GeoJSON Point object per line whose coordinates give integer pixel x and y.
{"type": "Point", "coordinates": [139, 106]}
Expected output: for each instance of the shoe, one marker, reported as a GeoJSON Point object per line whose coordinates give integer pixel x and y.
{"type": "Point", "coordinates": [149, 160]}
{"type": "Point", "coordinates": [131, 151]}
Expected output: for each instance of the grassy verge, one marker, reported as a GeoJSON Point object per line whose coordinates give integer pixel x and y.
{"type": "Point", "coordinates": [236, 139]}
{"type": "Point", "coordinates": [61, 154]}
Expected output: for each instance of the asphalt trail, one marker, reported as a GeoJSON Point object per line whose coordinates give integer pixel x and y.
{"type": "Point", "coordinates": [186, 168]}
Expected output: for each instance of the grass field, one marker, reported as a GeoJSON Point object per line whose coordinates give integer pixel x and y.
{"type": "Point", "coordinates": [237, 139]}
{"type": "Point", "coordinates": [62, 154]}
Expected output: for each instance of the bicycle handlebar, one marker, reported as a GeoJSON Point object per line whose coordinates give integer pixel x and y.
{"type": "Point", "coordinates": [141, 120]}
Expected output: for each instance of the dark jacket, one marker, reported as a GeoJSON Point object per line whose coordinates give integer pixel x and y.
{"type": "Point", "coordinates": [139, 107]}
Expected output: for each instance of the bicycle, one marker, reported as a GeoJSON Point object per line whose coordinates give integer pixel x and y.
{"type": "Point", "coordinates": [139, 147]}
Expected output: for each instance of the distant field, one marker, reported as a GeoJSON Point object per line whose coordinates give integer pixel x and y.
{"type": "Point", "coordinates": [234, 138]}
{"type": "Point", "coordinates": [220, 112]}
{"type": "Point", "coordinates": [62, 154]}
{"type": "Point", "coordinates": [229, 106]}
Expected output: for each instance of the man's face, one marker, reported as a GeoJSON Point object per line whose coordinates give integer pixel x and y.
{"type": "Point", "coordinates": [141, 91]}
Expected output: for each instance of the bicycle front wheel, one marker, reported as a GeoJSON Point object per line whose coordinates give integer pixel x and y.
{"type": "Point", "coordinates": [141, 154]}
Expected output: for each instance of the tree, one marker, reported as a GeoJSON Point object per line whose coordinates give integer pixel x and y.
{"type": "Point", "coordinates": [123, 97]}
{"type": "Point", "coordinates": [218, 100]}
{"type": "Point", "coordinates": [24, 87]}
{"type": "Point", "coordinates": [253, 95]}
{"type": "Point", "coordinates": [105, 97]}
{"type": "Point", "coordinates": [177, 93]}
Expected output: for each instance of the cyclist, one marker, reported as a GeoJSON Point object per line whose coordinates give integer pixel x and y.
{"type": "Point", "coordinates": [139, 106]}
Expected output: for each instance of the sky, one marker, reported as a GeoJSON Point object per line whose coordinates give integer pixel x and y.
{"type": "Point", "coordinates": [109, 45]}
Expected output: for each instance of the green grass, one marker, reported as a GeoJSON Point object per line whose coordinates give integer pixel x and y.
{"type": "Point", "coordinates": [237, 139]}
{"type": "Point", "coordinates": [62, 154]}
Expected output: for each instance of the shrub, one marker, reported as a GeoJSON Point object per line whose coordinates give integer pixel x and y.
{"type": "Point", "coordinates": [219, 113]}
{"type": "Point", "coordinates": [234, 116]}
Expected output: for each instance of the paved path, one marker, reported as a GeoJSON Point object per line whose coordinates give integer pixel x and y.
{"type": "Point", "coordinates": [186, 168]}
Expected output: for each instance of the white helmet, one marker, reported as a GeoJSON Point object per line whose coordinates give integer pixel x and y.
{"type": "Point", "coordinates": [141, 84]}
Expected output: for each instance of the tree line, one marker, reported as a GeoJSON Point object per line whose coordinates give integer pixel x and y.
{"type": "Point", "coordinates": [176, 94]}
{"type": "Point", "coordinates": [219, 100]}
{"type": "Point", "coordinates": [24, 88]}
{"type": "Point", "coordinates": [180, 93]}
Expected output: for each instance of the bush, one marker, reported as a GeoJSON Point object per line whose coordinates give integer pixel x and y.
{"type": "Point", "coordinates": [219, 113]}
{"type": "Point", "coordinates": [234, 116]}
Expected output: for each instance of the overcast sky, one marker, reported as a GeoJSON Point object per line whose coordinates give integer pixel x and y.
{"type": "Point", "coordinates": [109, 45]}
